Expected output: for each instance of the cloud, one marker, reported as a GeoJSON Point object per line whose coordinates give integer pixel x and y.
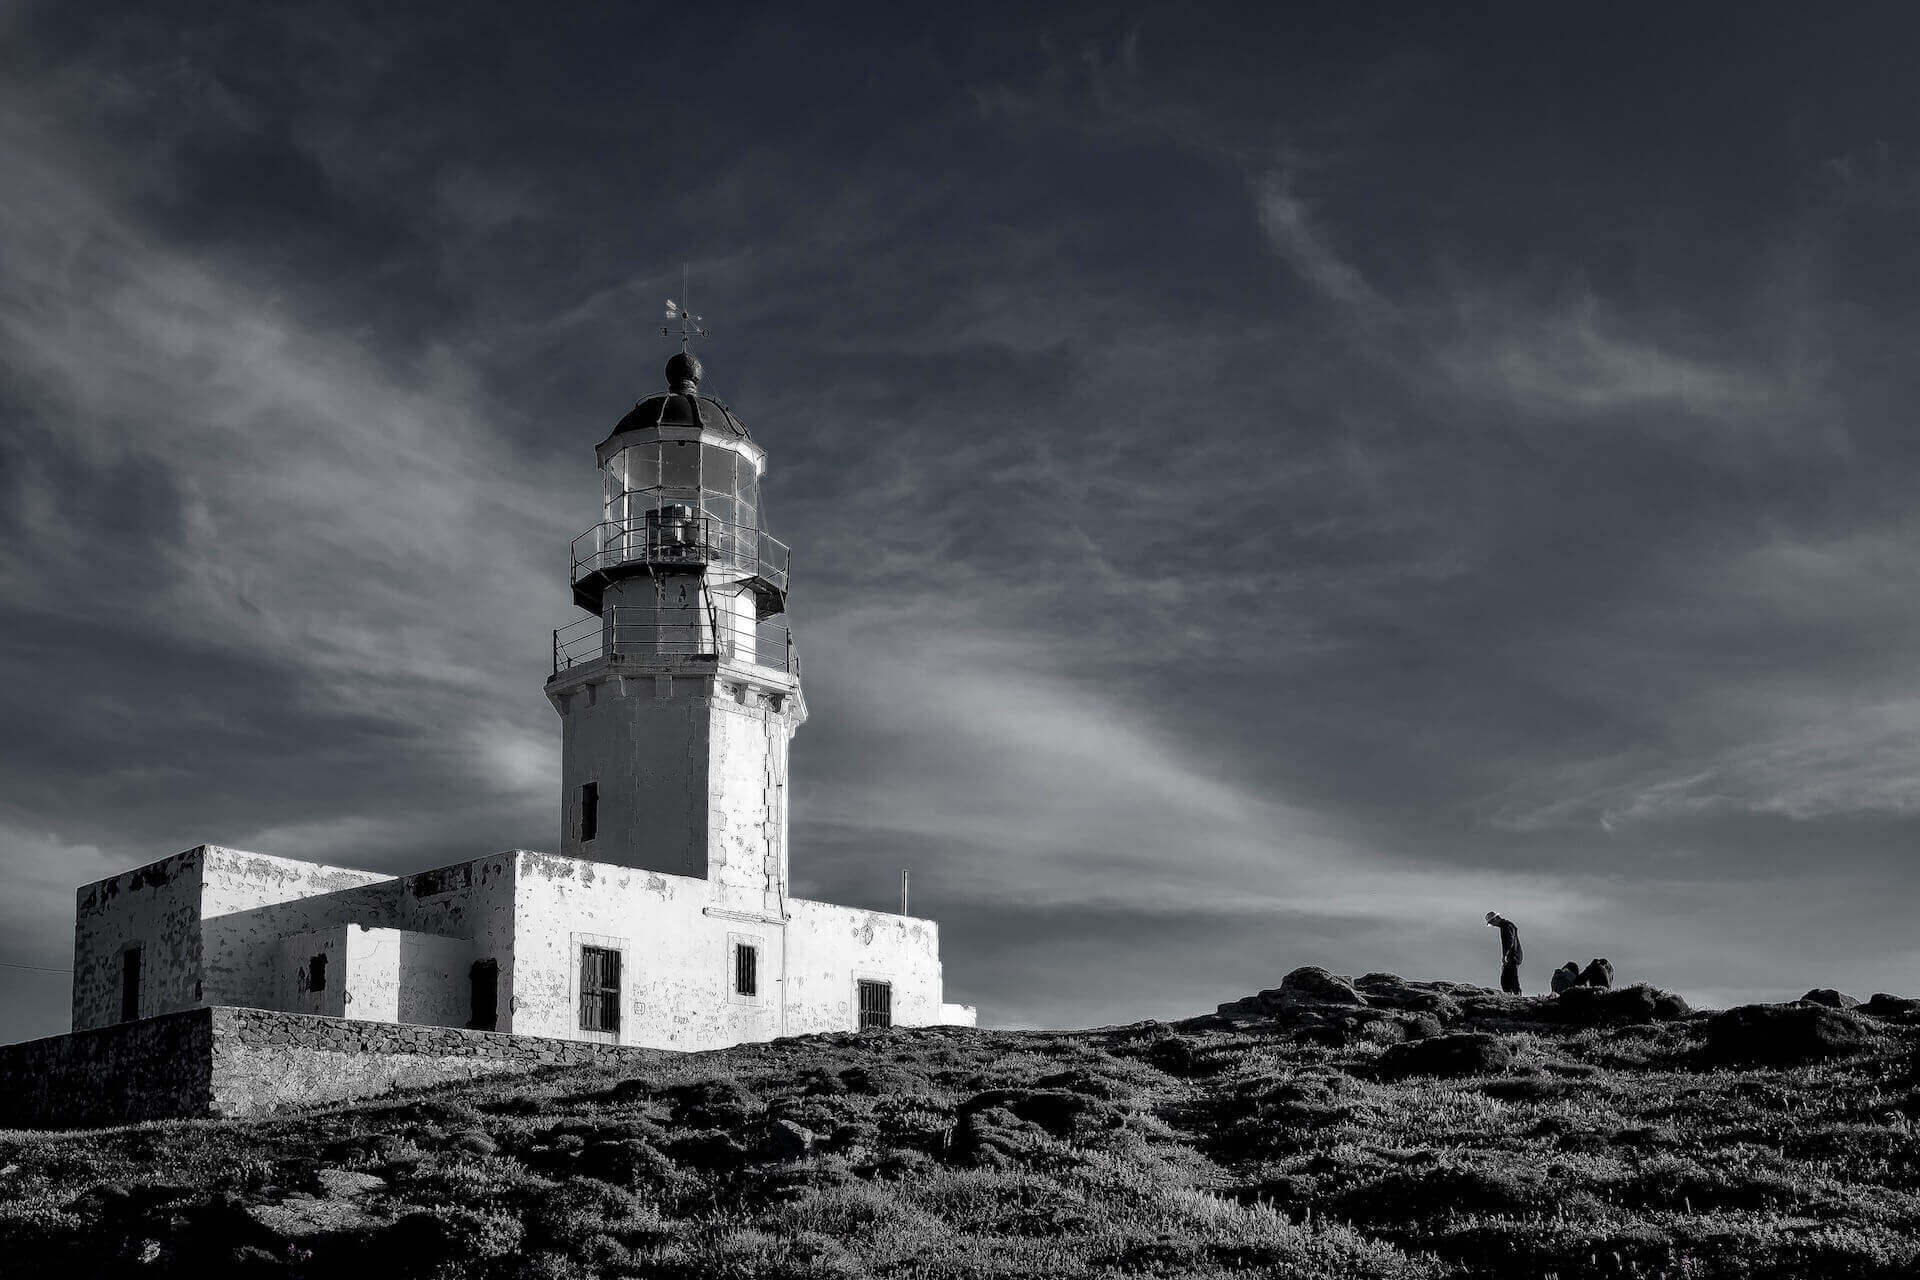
{"type": "Point", "coordinates": [1292, 228]}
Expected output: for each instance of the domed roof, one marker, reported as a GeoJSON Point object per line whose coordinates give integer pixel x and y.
{"type": "Point", "coordinates": [683, 406]}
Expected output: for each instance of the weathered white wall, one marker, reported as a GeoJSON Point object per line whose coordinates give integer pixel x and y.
{"type": "Point", "coordinates": [472, 902]}
{"type": "Point", "coordinates": [653, 919]}
{"type": "Point", "coordinates": [292, 977]}
{"type": "Point", "coordinates": [251, 900]}
{"type": "Point", "coordinates": [746, 794]}
{"type": "Point", "coordinates": [829, 948]}
{"type": "Point", "coordinates": [643, 739]}
{"type": "Point", "coordinates": [376, 975]}
{"type": "Point", "coordinates": [229, 928]}
{"type": "Point", "coordinates": [156, 907]}
{"type": "Point", "coordinates": [395, 975]}
{"type": "Point", "coordinates": [677, 967]}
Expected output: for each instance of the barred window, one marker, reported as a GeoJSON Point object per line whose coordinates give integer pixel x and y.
{"type": "Point", "coordinates": [746, 969]}
{"type": "Point", "coordinates": [876, 1005]}
{"type": "Point", "coordinates": [599, 989]}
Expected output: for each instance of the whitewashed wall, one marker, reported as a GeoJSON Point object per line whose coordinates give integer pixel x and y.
{"type": "Point", "coordinates": [250, 901]}
{"type": "Point", "coordinates": [677, 965]}
{"type": "Point", "coordinates": [830, 948]}
{"type": "Point", "coordinates": [293, 968]}
{"type": "Point", "coordinates": [155, 907]}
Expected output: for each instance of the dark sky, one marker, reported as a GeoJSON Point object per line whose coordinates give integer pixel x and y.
{"type": "Point", "coordinates": [1267, 485]}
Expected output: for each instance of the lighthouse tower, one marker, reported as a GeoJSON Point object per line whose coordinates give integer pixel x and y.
{"type": "Point", "coordinates": [679, 694]}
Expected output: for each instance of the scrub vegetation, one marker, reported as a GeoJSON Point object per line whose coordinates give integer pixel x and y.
{"type": "Point", "coordinates": [1412, 1130]}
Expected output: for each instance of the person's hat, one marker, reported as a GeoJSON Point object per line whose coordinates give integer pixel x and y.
{"type": "Point", "coordinates": [1492, 916]}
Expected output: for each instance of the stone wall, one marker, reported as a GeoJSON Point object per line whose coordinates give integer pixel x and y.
{"type": "Point", "coordinates": [265, 1061]}
{"type": "Point", "coordinates": [242, 1062]}
{"type": "Point", "coordinates": [146, 1070]}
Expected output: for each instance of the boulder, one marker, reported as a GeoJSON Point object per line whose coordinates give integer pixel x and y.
{"type": "Point", "coordinates": [1390, 991]}
{"type": "Point", "coordinates": [1470, 1053]}
{"type": "Point", "coordinates": [1598, 973]}
{"type": "Point", "coordinates": [1883, 1005]}
{"type": "Point", "coordinates": [1831, 998]}
{"type": "Point", "coordinates": [788, 1141]}
{"type": "Point", "coordinates": [1585, 1006]}
{"type": "Point", "coordinates": [1565, 977]}
{"type": "Point", "coordinates": [1310, 984]}
{"type": "Point", "coordinates": [1784, 1034]}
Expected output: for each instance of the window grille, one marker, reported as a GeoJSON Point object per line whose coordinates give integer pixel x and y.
{"type": "Point", "coordinates": [876, 1005]}
{"type": "Point", "coordinates": [317, 973]}
{"type": "Point", "coordinates": [589, 811]}
{"type": "Point", "coordinates": [130, 984]}
{"type": "Point", "coordinates": [599, 989]}
{"type": "Point", "coordinates": [746, 969]}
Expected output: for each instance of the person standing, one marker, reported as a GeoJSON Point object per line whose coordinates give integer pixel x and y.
{"type": "Point", "coordinates": [1509, 952]}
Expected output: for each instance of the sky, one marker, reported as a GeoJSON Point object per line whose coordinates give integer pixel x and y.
{"type": "Point", "coordinates": [1268, 484]}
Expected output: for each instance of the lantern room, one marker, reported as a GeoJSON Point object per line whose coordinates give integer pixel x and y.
{"type": "Point", "coordinates": [682, 479]}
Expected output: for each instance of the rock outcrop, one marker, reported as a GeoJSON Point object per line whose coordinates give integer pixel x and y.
{"type": "Point", "coordinates": [1311, 984]}
{"type": "Point", "coordinates": [1469, 1053]}
{"type": "Point", "coordinates": [1785, 1034]}
{"type": "Point", "coordinates": [1831, 998]}
{"type": "Point", "coordinates": [1599, 1006]}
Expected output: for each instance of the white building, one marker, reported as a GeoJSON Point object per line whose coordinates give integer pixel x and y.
{"type": "Point", "coordinates": [665, 919]}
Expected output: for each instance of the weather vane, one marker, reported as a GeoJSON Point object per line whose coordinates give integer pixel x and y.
{"type": "Point", "coordinates": [690, 326]}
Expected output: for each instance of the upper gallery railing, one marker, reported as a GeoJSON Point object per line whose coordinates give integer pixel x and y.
{"type": "Point", "coordinates": [681, 535]}
{"type": "Point", "coordinates": [637, 631]}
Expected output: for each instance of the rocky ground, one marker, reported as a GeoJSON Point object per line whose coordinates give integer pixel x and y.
{"type": "Point", "coordinates": [1373, 1127]}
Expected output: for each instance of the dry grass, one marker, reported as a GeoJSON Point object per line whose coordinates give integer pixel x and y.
{"type": "Point", "coordinates": [1262, 1147]}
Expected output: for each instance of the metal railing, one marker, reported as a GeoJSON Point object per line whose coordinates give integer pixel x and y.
{"type": "Point", "coordinates": [639, 631]}
{"type": "Point", "coordinates": [681, 535]}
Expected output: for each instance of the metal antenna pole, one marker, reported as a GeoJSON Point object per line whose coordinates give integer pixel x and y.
{"type": "Point", "coordinates": [906, 877]}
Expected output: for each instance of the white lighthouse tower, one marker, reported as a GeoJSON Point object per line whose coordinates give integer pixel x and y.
{"type": "Point", "coordinates": [679, 696]}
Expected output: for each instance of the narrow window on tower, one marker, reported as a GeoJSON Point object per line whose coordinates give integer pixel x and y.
{"type": "Point", "coordinates": [876, 1005]}
{"type": "Point", "coordinates": [130, 984]}
{"type": "Point", "coordinates": [589, 810]}
{"type": "Point", "coordinates": [317, 973]}
{"type": "Point", "coordinates": [746, 969]}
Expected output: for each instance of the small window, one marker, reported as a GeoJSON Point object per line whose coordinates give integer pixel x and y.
{"type": "Point", "coordinates": [746, 969]}
{"type": "Point", "coordinates": [876, 1005]}
{"type": "Point", "coordinates": [599, 989]}
{"type": "Point", "coordinates": [589, 811]}
{"type": "Point", "coordinates": [130, 984]}
{"type": "Point", "coordinates": [317, 973]}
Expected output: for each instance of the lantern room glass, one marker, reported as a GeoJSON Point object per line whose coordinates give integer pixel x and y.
{"type": "Point", "coordinates": [717, 481]}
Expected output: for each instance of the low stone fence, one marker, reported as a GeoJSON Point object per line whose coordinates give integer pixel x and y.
{"type": "Point", "coordinates": [242, 1062]}
{"type": "Point", "coordinates": [147, 1070]}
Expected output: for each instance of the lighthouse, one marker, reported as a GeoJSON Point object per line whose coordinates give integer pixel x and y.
{"type": "Point", "coordinates": [665, 919]}
{"type": "Point", "coordinates": [680, 692]}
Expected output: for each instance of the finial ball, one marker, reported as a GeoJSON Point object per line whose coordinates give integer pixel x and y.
{"type": "Point", "coordinates": [683, 374]}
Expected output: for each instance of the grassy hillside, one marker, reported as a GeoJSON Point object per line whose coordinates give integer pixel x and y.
{"type": "Point", "coordinates": [1302, 1133]}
